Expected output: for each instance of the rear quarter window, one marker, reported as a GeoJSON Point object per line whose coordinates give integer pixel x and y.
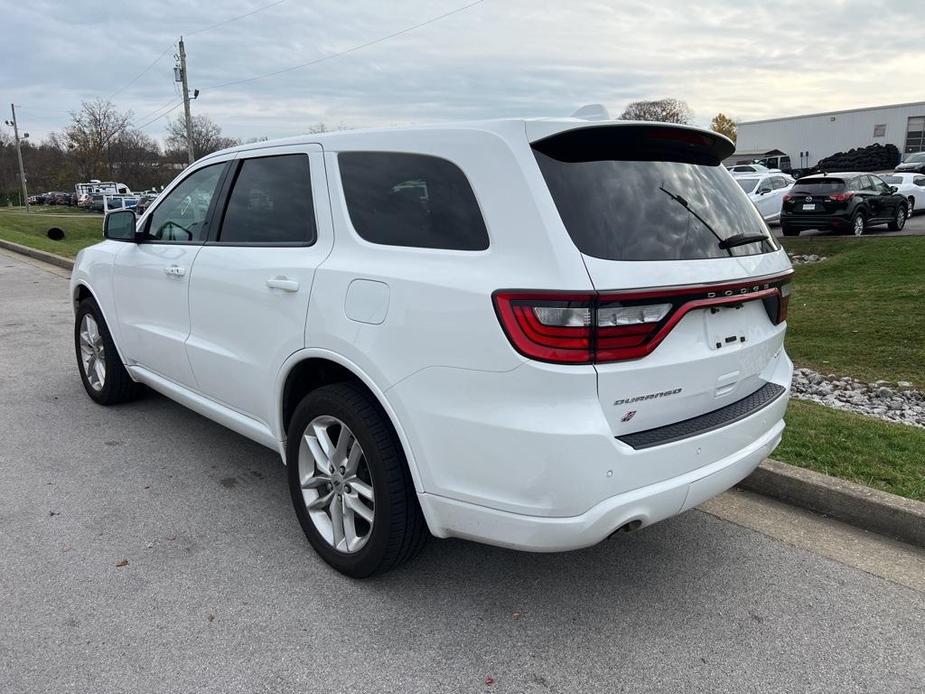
{"type": "Point", "coordinates": [412, 200]}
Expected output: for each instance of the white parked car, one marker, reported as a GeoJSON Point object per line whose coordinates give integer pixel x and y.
{"type": "Point", "coordinates": [766, 192]}
{"type": "Point", "coordinates": [527, 333]}
{"type": "Point", "coordinates": [751, 170]}
{"type": "Point", "coordinates": [911, 186]}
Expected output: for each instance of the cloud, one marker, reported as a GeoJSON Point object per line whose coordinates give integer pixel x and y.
{"type": "Point", "coordinates": [500, 58]}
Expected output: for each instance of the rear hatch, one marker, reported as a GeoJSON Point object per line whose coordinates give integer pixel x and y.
{"type": "Point", "coordinates": [691, 287]}
{"type": "Point", "coordinates": [817, 196]}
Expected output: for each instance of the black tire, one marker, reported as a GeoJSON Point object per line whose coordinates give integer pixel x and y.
{"type": "Point", "coordinates": [854, 223]}
{"type": "Point", "coordinates": [897, 223]}
{"type": "Point", "coordinates": [398, 531]}
{"type": "Point", "coordinates": [788, 230]}
{"type": "Point", "coordinates": [117, 386]}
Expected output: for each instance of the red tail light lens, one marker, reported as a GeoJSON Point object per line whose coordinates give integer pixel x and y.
{"type": "Point", "coordinates": [589, 327]}
{"type": "Point", "coordinates": [546, 326]}
{"type": "Point", "coordinates": [841, 197]}
{"type": "Point", "coordinates": [787, 197]}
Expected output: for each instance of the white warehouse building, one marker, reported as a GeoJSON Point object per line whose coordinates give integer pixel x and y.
{"type": "Point", "coordinates": [801, 141]}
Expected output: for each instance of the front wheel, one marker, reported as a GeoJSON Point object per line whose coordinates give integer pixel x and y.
{"type": "Point", "coordinates": [350, 483]}
{"type": "Point", "coordinates": [101, 370]}
{"type": "Point", "coordinates": [899, 219]}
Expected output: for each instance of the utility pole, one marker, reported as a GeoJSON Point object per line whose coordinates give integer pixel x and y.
{"type": "Point", "coordinates": [186, 100]}
{"type": "Point", "coordinates": [22, 174]}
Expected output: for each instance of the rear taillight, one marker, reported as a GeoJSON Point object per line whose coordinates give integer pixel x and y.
{"type": "Point", "coordinates": [548, 327]}
{"type": "Point", "coordinates": [594, 327]}
{"type": "Point", "coordinates": [841, 197]}
{"type": "Point", "coordinates": [788, 197]}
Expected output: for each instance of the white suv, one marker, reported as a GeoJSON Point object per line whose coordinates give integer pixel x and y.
{"type": "Point", "coordinates": [526, 333]}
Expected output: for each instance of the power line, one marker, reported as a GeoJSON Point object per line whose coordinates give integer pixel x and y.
{"type": "Point", "coordinates": [140, 74]}
{"type": "Point", "coordinates": [157, 118]}
{"type": "Point", "coordinates": [348, 50]}
{"type": "Point", "coordinates": [234, 19]}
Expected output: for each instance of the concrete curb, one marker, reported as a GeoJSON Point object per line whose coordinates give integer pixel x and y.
{"type": "Point", "coordinates": [44, 256]}
{"type": "Point", "coordinates": [855, 504]}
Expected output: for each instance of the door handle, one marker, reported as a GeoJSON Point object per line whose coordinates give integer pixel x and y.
{"type": "Point", "coordinates": [174, 271]}
{"type": "Point", "coordinates": [284, 283]}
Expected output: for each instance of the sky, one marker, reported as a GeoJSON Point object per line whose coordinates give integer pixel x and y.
{"type": "Point", "coordinates": [497, 58]}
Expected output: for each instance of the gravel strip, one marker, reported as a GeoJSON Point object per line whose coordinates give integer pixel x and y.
{"type": "Point", "coordinates": [807, 259]}
{"type": "Point", "coordinates": [898, 402]}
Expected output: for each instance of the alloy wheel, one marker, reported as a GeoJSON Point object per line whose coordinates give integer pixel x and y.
{"type": "Point", "coordinates": [858, 225]}
{"type": "Point", "coordinates": [92, 353]}
{"type": "Point", "coordinates": [336, 485]}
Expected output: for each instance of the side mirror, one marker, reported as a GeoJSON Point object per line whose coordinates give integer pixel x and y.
{"type": "Point", "coordinates": [120, 226]}
{"type": "Point", "coordinates": [893, 189]}
{"type": "Point", "coordinates": [763, 191]}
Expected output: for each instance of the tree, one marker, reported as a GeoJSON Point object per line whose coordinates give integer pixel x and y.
{"type": "Point", "coordinates": [662, 110]}
{"type": "Point", "coordinates": [207, 137]}
{"type": "Point", "coordinates": [724, 125]}
{"type": "Point", "coordinates": [90, 136]}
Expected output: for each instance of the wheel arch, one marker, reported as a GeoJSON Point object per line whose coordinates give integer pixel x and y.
{"type": "Point", "coordinates": [81, 291]}
{"type": "Point", "coordinates": [313, 368]}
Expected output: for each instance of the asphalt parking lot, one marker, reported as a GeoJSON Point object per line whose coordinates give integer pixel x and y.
{"type": "Point", "coordinates": [221, 593]}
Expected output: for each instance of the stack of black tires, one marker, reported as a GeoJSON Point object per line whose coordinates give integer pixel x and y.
{"type": "Point", "coordinates": [875, 157]}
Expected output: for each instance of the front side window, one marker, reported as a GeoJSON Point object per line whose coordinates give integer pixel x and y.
{"type": "Point", "coordinates": [181, 215]}
{"type": "Point", "coordinates": [747, 184]}
{"type": "Point", "coordinates": [270, 202]}
{"type": "Point", "coordinates": [415, 200]}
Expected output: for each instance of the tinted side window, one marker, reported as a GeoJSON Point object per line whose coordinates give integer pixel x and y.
{"type": "Point", "coordinates": [271, 202]}
{"type": "Point", "coordinates": [180, 217]}
{"type": "Point", "coordinates": [919, 181]}
{"type": "Point", "coordinates": [411, 200]}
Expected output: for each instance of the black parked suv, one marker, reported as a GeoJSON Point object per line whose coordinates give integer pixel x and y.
{"type": "Point", "coordinates": [847, 202]}
{"type": "Point", "coordinates": [913, 163]}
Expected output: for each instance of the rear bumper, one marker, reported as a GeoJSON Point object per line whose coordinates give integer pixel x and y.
{"type": "Point", "coordinates": [647, 505]}
{"type": "Point", "coordinates": [526, 459]}
{"type": "Point", "coordinates": [833, 221]}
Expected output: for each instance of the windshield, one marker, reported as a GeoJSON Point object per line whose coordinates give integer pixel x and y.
{"type": "Point", "coordinates": [917, 157]}
{"type": "Point", "coordinates": [747, 184]}
{"type": "Point", "coordinates": [652, 210]}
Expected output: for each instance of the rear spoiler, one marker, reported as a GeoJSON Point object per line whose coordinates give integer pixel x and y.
{"type": "Point", "coordinates": [628, 141]}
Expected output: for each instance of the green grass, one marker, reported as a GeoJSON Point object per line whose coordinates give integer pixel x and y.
{"type": "Point", "coordinates": [81, 229]}
{"type": "Point", "coordinates": [859, 313]}
{"type": "Point", "coordinates": [889, 457]}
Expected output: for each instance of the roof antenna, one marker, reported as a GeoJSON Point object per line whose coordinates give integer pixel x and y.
{"type": "Point", "coordinates": [592, 112]}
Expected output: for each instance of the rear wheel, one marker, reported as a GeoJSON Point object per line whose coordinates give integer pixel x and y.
{"type": "Point", "coordinates": [789, 230]}
{"type": "Point", "coordinates": [101, 370]}
{"type": "Point", "coordinates": [350, 483]}
{"type": "Point", "coordinates": [899, 219]}
{"type": "Point", "coordinates": [858, 223]}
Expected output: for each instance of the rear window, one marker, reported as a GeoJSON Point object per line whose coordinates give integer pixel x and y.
{"type": "Point", "coordinates": [648, 193]}
{"type": "Point", "coordinates": [415, 200]}
{"type": "Point", "coordinates": [893, 180]}
{"type": "Point", "coordinates": [819, 186]}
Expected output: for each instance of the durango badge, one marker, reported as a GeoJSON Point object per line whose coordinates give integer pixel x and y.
{"type": "Point", "coordinates": [650, 396]}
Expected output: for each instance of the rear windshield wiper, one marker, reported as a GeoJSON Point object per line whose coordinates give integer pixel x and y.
{"type": "Point", "coordinates": [741, 240]}
{"type": "Point", "coordinates": [686, 205]}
